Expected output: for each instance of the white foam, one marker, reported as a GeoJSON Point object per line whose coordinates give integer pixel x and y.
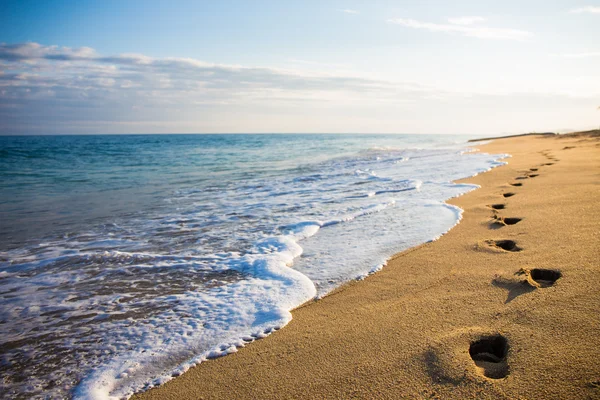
{"type": "Point", "coordinates": [253, 307]}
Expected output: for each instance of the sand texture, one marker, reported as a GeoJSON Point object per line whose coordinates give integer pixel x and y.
{"type": "Point", "coordinates": [505, 306]}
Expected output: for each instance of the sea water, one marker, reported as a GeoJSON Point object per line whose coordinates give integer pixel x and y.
{"type": "Point", "coordinates": [127, 259]}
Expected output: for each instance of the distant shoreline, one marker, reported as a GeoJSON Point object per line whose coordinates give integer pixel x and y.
{"type": "Point", "coordinates": [593, 132]}
{"type": "Point", "coordinates": [514, 136]}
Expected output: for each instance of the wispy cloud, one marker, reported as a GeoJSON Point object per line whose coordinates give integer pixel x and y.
{"type": "Point", "coordinates": [482, 32]}
{"type": "Point", "coordinates": [24, 51]}
{"type": "Point", "coordinates": [468, 20]}
{"type": "Point", "coordinates": [587, 9]}
{"type": "Point", "coordinates": [51, 89]}
{"type": "Point", "coordinates": [35, 62]}
{"type": "Point", "coordinates": [349, 11]}
{"type": "Point", "coordinates": [60, 82]}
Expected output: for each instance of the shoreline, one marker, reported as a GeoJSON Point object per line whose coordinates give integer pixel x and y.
{"type": "Point", "coordinates": [513, 136]}
{"type": "Point", "coordinates": [406, 331]}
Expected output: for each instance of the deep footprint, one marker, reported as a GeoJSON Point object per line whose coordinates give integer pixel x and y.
{"type": "Point", "coordinates": [509, 194]}
{"type": "Point", "coordinates": [489, 354]}
{"type": "Point", "coordinates": [533, 175]}
{"type": "Point", "coordinates": [533, 169]}
{"type": "Point", "coordinates": [545, 277]}
{"type": "Point", "coordinates": [521, 177]}
{"type": "Point", "coordinates": [500, 222]}
{"type": "Point", "coordinates": [516, 184]}
{"type": "Point", "coordinates": [506, 245]}
{"type": "Point", "coordinates": [498, 206]}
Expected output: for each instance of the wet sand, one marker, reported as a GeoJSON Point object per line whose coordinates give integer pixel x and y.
{"type": "Point", "coordinates": [506, 305]}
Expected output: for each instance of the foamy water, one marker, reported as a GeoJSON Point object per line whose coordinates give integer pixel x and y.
{"type": "Point", "coordinates": [126, 260]}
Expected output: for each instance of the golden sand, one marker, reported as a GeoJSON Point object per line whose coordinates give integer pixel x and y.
{"type": "Point", "coordinates": [506, 305]}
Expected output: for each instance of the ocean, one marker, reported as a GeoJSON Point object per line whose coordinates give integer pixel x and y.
{"type": "Point", "coordinates": [127, 259]}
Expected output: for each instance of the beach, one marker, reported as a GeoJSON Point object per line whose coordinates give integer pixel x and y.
{"type": "Point", "coordinates": [505, 305]}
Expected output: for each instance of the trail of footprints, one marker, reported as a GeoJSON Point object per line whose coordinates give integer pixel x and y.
{"type": "Point", "coordinates": [489, 351]}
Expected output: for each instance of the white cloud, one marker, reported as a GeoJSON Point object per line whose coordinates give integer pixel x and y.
{"type": "Point", "coordinates": [25, 51]}
{"type": "Point", "coordinates": [349, 11]}
{"type": "Point", "coordinates": [482, 32]}
{"type": "Point", "coordinates": [587, 9]}
{"type": "Point", "coordinates": [469, 20]}
{"type": "Point", "coordinates": [50, 89]}
{"type": "Point", "coordinates": [64, 84]}
{"type": "Point", "coordinates": [64, 62]}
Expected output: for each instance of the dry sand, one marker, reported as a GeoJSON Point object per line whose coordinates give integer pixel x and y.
{"type": "Point", "coordinates": [406, 331]}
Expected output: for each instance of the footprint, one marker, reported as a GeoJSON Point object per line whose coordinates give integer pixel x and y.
{"type": "Point", "coordinates": [540, 277]}
{"type": "Point", "coordinates": [498, 206]}
{"type": "Point", "coordinates": [506, 245]}
{"type": "Point", "coordinates": [489, 354]}
{"type": "Point", "coordinates": [516, 184]}
{"type": "Point", "coordinates": [509, 194]}
{"type": "Point", "coordinates": [504, 221]}
{"type": "Point", "coordinates": [521, 177]}
{"type": "Point", "coordinates": [550, 163]}
{"type": "Point", "coordinates": [533, 175]}
{"type": "Point", "coordinates": [447, 360]}
{"type": "Point", "coordinates": [501, 246]}
{"type": "Point", "coordinates": [568, 147]}
{"type": "Point", "coordinates": [533, 169]}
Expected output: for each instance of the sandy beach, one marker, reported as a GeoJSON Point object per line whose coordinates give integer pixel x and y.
{"type": "Point", "coordinates": [506, 305]}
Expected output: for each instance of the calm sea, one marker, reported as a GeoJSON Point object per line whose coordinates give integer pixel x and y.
{"type": "Point", "coordinates": [126, 259]}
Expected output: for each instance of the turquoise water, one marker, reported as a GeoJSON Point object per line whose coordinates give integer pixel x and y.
{"type": "Point", "coordinates": [47, 181]}
{"type": "Point", "coordinates": [126, 259]}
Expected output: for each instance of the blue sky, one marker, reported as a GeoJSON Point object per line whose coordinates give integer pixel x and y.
{"type": "Point", "coordinates": [477, 67]}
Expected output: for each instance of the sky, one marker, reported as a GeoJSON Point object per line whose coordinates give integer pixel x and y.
{"type": "Point", "coordinates": [463, 67]}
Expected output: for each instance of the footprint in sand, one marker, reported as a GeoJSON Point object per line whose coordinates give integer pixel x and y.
{"type": "Point", "coordinates": [533, 279]}
{"type": "Point", "coordinates": [533, 169]}
{"type": "Point", "coordinates": [532, 175]}
{"type": "Point", "coordinates": [549, 156]}
{"type": "Point", "coordinates": [516, 184]}
{"type": "Point", "coordinates": [500, 222]}
{"type": "Point", "coordinates": [447, 359]}
{"type": "Point", "coordinates": [501, 246]}
{"type": "Point", "coordinates": [522, 177]}
{"type": "Point", "coordinates": [497, 206]}
{"type": "Point", "coordinates": [489, 354]}
{"type": "Point", "coordinates": [540, 277]}
{"type": "Point", "coordinates": [509, 194]}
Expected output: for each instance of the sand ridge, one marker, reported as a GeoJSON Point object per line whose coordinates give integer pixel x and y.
{"type": "Point", "coordinates": [490, 310]}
